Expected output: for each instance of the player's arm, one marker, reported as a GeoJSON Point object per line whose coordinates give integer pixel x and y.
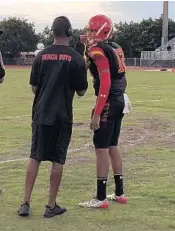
{"type": "Point", "coordinates": [35, 74]}
{"type": "Point", "coordinates": [80, 83]}
{"type": "Point", "coordinates": [103, 68]}
{"type": "Point", "coordinates": [2, 69]}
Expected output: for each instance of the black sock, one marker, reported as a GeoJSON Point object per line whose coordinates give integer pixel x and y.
{"type": "Point", "coordinates": [118, 184]}
{"type": "Point", "coordinates": [101, 188]}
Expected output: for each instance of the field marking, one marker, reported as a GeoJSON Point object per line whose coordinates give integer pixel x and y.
{"type": "Point", "coordinates": [167, 69]}
{"type": "Point", "coordinates": [157, 100]}
{"type": "Point", "coordinates": [23, 159]}
{"type": "Point", "coordinates": [13, 160]}
{"type": "Point", "coordinates": [152, 100]}
{"type": "Point", "coordinates": [29, 115]}
{"type": "Point", "coordinates": [14, 117]}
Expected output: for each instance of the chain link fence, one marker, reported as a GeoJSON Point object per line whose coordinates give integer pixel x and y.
{"type": "Point", "coordinates": [132, 62]}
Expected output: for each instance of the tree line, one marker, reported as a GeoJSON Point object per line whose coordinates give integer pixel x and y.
{"type": "Point", "coordinates": [20, 36]}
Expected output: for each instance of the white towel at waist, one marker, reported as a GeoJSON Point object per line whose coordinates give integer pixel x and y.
{"type": "Point", "coordinates": [128, 107]}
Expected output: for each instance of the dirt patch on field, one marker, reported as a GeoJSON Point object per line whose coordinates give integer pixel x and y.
{"type": "Point", "coordinates": [154, 132]}
{"type": "Point", "coordinates": [157, 132]}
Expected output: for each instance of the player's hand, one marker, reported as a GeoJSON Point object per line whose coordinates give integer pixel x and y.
{"type": "Point", "coordinates": [87, 64]}
{"type": "Point", "coordinates": [95, 123]}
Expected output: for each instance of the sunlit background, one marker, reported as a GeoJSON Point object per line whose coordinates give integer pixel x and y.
{"type": "Point", "coordinates": [42, 12]}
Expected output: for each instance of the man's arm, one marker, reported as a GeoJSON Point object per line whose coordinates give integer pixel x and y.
{"type": "Point", "coordinates": [35, 73]}
{"type": "Point", "coordinates": [80, 83]}
{"type": "Point", "coordinates": [2, 69]}
{"type": "Point", "coordinates": [34, 89]}
{"type": "Point", "coordinates": [1, 80]}
{"type": "Point", "coordinates": [103, 68]}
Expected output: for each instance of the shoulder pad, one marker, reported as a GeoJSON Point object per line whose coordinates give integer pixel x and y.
{"type": "Point", "coordinates": [95, 51]}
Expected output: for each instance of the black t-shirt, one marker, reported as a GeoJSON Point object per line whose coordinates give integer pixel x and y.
{"type": "Point", "coordinates": [115, 56]}
{"type": "Point", "coordinates": [58, 71]}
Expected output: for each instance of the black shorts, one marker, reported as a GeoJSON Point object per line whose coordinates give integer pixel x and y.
{"type": "Point", "coordinates": [50, 142]}
{"type": "Point", "coordinates": [110, 124]}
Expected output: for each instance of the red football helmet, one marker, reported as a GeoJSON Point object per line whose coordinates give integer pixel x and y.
{"type": "Point", "coordinates": [99, 28]}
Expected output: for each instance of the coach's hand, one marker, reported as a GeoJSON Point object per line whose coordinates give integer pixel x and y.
{"type": "Point", "coordinates": [95, 123]}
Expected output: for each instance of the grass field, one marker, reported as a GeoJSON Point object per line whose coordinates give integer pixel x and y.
{"type": "Point", "coordinates": [147, 143]}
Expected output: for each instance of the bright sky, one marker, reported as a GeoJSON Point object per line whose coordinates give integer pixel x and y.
{"type": "Point", "coordinates": [42, 12]}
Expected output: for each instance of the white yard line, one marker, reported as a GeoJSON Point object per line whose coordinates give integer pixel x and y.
{"type": "Point", "coordinates": [23, 159]}
{"type": "Point", "coordinates": [28, 115]}
{"type": "Point", "coordinates": [152, 100]}
{"type": "Point", "coordinates": [14, 160]}
{"type": "Point", "coordinates": [14, 117]}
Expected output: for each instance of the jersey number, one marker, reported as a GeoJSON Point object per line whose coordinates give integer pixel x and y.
{"type": "Point", "coordinates": [121, 60]}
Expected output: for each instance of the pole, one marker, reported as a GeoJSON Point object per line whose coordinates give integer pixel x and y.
{"type": "Point", "coordinates": [165, 25]}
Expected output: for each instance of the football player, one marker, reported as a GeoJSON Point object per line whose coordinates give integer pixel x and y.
{"type": "Point", "coordinates": [106, 62]}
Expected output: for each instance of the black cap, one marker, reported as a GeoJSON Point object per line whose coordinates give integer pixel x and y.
{"type": "Point", "coordinates": [62, 27]}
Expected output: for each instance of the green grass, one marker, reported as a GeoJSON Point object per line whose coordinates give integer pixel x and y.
{"type": "Point", "coordinates": [147, 145]}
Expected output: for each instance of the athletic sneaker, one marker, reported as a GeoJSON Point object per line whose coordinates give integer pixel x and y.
{"type": "Point", "coordinates": [95, 203]}
{"type": "Point", "coordinates": [52, 212]}
{"type": "Point", "coordinates": [24, 211]}
{"type": "Point", "coordinates": [119, 199]}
